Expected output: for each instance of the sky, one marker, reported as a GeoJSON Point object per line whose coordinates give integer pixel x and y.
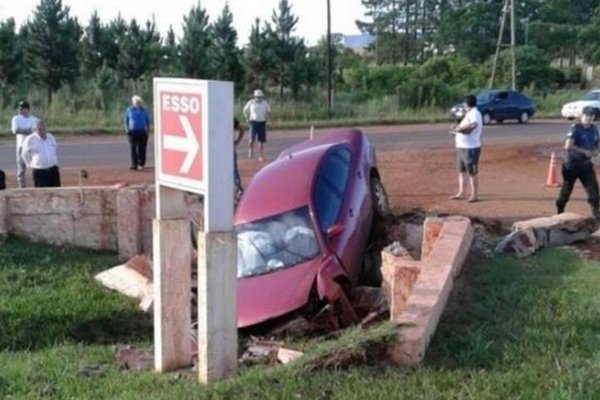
{"type": "Point", "coordinates": [312, 14]}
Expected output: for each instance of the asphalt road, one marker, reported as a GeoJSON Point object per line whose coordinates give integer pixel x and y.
{"type": "Point", "coordinates": [114, 150]}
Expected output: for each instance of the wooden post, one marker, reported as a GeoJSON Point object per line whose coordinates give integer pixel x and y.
{"type": "Point", "coordinates": [172, 254]}
{"type": "Point", "coordinates": [217, 307]}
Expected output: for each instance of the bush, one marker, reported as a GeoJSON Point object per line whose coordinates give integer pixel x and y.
{"type": "Point", "coordinates": [377, 80]}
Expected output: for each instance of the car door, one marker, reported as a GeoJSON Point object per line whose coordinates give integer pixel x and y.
{"type": "Point", "coordinates": [516, 105]}
{"type": "Point", "coordinates": [335, 208]}
{"type": "Point", "coordinates": [501, 106]}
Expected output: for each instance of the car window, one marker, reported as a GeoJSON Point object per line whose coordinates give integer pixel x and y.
{"type": "Point", "coordinates": [591, 96]}
{"type": "Point", "coordinates": [330, 186]}
{"type": "Point", "coordinates": [502, 95]}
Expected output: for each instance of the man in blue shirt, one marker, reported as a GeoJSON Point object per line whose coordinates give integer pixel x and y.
{"type": "Point", "coordinates": [137, 126]}
{"type": "Point", "coordinates": [581, 145]}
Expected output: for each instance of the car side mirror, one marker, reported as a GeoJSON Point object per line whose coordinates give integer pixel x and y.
{"type": "Point", "coordinates": [334, 230]}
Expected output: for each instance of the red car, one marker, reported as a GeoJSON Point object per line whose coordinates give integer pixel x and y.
{"type": "Point", "coordinates": [303, 224]}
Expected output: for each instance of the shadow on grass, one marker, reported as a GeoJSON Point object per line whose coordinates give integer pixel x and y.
{"type": "Point", "coordinates": [47, 331]}
{"type": "Point", "coordinates": [504, 310]}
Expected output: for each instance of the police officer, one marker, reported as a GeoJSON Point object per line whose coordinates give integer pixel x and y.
{"type": "Point", "coordinates": [581, 145]}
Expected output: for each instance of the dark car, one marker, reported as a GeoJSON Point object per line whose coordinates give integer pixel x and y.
{"type": "Point", "coordinates": [499, 105]}
{"type": "Point", "coordinates": [303, 224]}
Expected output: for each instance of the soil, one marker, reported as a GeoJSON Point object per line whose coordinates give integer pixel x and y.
{"type": "Point", "coordinates": [511, 182]}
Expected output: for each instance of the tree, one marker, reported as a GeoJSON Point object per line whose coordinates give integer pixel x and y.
{"type": "Point", "coordinates": [139, 52]}
{"type": "Point", "coordinates": [285, 46]}
{"type": "Point", "coordinates": [195, 44]}
{"type": "Point", "coordinates": [259, 58]}
{"type": "Point", "coordinates": [170, 54]}
{"type": "Point", "coordinates": [94, 45]}
{"type": "Point", "coordinates": [52, 48]}
{"type": "Point", "coordinates": [224, 53]}
{"type": "Point", "coordinates": [9, 54]}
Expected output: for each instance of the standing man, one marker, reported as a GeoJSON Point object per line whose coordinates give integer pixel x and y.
{"type": "Point", "coordinates": [21, 126]}
{"type": "Point", "coordinates": [137, 126]}
{"type": "Point", "coordinates": [39, 153]}
{"type": "Point", "coordinates": [467, 137]}
{"type": "Point", "coordinates": [256, 111]}
{"type": "Point", "coordinates": [581, 145]}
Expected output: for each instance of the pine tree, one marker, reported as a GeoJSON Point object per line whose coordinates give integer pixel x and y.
{"type": "Point", "coordinates": [52, 50]}
{"type": "Point", "coordinates": [224, 53]}
{"type": "Point", "coordinates": [195, 44]}
{"type": "Point", "coordinates": [9, 54]}
{"type": "Point", "coordinates": [139, 52]}
{"type": "Point", "coordinates": [259, 58]}
{"type": "Point", "coordinates": [284, 24]}
{"type": "Point", "coordinates": [170, 54]}
{"type": "Point", "coordinates": [94, 45]}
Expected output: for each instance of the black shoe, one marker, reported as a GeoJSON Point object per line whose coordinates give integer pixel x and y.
{"type": "Point", "coordinates": [133, 168]}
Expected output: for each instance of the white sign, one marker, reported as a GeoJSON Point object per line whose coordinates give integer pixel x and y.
{"type": "Point", "coordinates": [193, 130]}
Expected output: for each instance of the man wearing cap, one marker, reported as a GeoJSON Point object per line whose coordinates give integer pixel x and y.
{"type": "Point", "coordinates": [256, 112]}
{"type": "Point", "coordinates": [39, 153]}
{"type": "Point", "coordinates": [21, 126]}
{"type": "Point", "coordinates": [581, 145]}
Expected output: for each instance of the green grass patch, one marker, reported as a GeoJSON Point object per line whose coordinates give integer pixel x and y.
{"type": "Point", "coordinates": [514, 329]}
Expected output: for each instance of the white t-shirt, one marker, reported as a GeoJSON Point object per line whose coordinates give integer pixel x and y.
{"type": "Point", "coordinates": [473, 139]}
{"type": "Point", "coordinates": [39, 153]}
{"type": "Point", "coordinates": [257, 110]}
{"type": "Point", "coordinates": [21, 122]}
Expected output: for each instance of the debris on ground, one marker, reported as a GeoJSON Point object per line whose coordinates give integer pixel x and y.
{"type": "Point", "coordinates": [134, 359]}
{"type": "Point", "coordinates": [559, 230]}
{"type": "Point", "coordinates": [133, 279]}
{"type": "Point", "coordinates": [286, 356]}
{"type": "Point", "coordinates": [91, 372]}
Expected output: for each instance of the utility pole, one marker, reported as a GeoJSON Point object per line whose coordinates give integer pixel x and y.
{"type": "Point", "coordinates": [329, 60]}
{"type": "Point", "coordinates": [512, 44]}
{"type": "Point", "coordinates": [508, 6]}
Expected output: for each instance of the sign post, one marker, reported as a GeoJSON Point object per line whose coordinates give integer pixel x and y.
{"type": "Point", "coordinates": [194, 154]}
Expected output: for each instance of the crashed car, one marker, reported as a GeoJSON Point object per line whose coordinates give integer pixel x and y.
{"type": "Point", "coordinates": [303, 224]}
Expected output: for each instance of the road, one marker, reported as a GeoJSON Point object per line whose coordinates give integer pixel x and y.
{"type": "Point", "coordinates": [81, 151]}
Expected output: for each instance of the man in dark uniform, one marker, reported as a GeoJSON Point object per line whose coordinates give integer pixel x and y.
{"type": "Point", "coordinates": [581, 145]}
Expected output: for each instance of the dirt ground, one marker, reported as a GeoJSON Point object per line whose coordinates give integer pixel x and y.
{"type": "Point", "coordinates": [511, 181]}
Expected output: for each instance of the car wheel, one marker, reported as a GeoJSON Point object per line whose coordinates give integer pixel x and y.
{"type": "Point", "coordinates": [487, 118]}
{"type": "Point", "coordinates": [524, 117]}
{"type": "Point", "coordinates": [381, 202]}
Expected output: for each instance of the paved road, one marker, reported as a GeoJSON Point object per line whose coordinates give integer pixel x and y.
{"type": "Point", "coordinates": [113, 151]}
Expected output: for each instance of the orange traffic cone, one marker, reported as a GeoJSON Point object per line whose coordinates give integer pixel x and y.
{"type": "Point", "coordinates": [552, 180]}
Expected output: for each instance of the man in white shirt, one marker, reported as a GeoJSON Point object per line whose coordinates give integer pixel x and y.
{"type": "Point", "coordinates": [21, 126]}
{"type": "Point", "coordinates": [256, 112]}
{"type": "Point", "coordinates": [39, 153]}
{"type": "Point", "coordinates": [467, 137]}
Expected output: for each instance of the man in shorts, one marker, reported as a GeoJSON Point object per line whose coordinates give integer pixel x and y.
{"type": "Point", "coordinates": [467, 138]}
{"type": "Point", "coordinates": [256, 112]}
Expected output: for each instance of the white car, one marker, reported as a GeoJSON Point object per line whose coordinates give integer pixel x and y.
{"type": "Point", "coordinates": [574, 109]}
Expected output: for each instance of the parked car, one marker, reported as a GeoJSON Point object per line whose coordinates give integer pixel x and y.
{"type": "Point", "coordinates": [303, 224]}
{"type": "Point", "coordinates": [499, 105]}
{"type": "Point", "coordinates": [574, 109]}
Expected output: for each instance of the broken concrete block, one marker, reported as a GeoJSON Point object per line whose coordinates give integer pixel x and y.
{"type": "Point", "coordinates": [521, 243]}
{"type": "Point", "coordinates": [557, 230]}
{"type": "Point", "coordinates": [399, 273]}
{"type": "Point", "coordinates": [431, 231]}
{"type": "Point", "coordinates": [286, 356]}
{"type": "Point", "coordinates": [419, 318]}
{"type": "Point", "coordinates": [133, 279]}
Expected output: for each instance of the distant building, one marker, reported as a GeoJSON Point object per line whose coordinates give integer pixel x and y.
{"type": "Point", "coordinates": [357, 42]}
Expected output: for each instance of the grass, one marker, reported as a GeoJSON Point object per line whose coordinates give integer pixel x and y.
{"type": "Point", "coordinates": [514, 329]}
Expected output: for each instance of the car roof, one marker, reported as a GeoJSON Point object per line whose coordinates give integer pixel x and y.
{"type": "Point", "coordinates": [285, 183]}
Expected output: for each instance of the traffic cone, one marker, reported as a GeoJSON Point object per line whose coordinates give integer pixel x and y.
{"type": "Point", "coordinates": [552, 180]}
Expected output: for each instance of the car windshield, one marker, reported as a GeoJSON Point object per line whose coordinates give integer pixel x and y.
{"type": "Point", "coordinates": [591, 96]}
{"type": "Point", "coordinates": [276, 242]}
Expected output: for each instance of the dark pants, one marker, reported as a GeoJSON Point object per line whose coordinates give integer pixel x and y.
{"type": "Point", "coordinates": [584, 171]}
{"type": "Point", "coordinates": [138, 141]}
{"type": "Point", "coordinates": [237, 179]}
{"type": "Point", "coordinates": [258, 131]}
{"type": "Point", "coordinates": [46, 177]}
